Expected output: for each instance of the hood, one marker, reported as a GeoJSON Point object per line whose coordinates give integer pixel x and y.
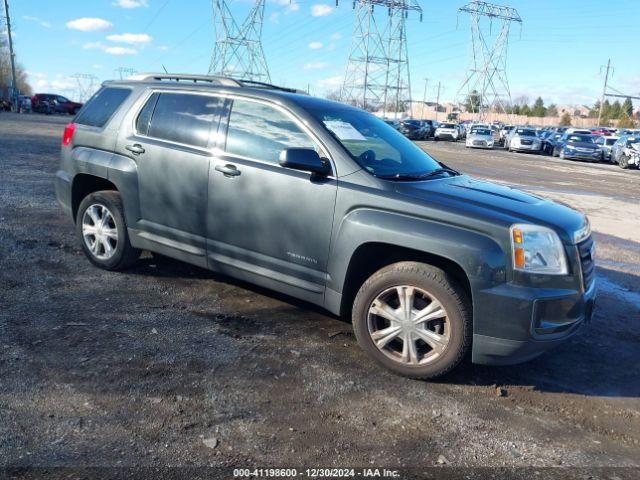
{"type": "Point", "coordinates": [480, 136]}
{"type": "Point", "coordinates": [488, 202]}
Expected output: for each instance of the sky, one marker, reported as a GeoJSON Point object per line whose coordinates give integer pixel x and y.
{"type": "Point", "coordinates": [558, 53]}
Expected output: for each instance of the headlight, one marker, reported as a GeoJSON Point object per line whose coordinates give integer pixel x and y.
{"type": "Point", "coordinates": [537, 249]}
{"type": "Point", "coordinates": [569, 147]}
{"type": "Point", "coordinates": [583, 233]}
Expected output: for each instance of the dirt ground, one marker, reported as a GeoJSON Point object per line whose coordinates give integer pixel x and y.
{"type": "Point", "coordinates": [171, 365]}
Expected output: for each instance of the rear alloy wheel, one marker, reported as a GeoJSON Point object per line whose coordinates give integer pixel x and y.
{"type": "Point", "coordinates": [102, 231]}
{"type": "Point", "coordinates": [412, 319]}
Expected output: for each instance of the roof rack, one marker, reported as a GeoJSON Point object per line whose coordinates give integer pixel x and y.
{"type": "Point", "coordinates": [179, 77]}
{"type": "Point", "coordinates": [254, 83]}
{"type": "Point", "coordinates": [216, 80]}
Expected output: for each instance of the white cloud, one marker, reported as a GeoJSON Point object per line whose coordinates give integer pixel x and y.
{"type": "Point", "coordinates": [63, 85]}
{"type": "Point", "coordinates": [118, 51]}
{"type": "Point", "coordinates": [97, 66]}
{"type": "Point", "coordinates": [130, 38]}
{"type": "Point", "coordinates": [315, 65]}
{"type": "Point", "coordinates": [39, 21]}
{"type": "Point", "coordinates": [89, 24]}
{"type": "Point", "coordinates": [336, 36]}
{"type": "Point", "coordinates": [315, 45]}
{"type": "Point", "coordinates": [320, 10]}
{"type": "Point", "coordinates": [331, 82]}
{"type": "Point", "coordinates": [163, 48]}
{"type": "Point", "coordinates": [130, 3]}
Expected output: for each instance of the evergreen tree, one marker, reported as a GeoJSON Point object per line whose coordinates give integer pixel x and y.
{"type": "Point", "coordinates": [552, 111]}
{"type": "Point", "coordinates": [565, 121]}
{"type": "Point", "coordinates": [473, 102]}
{"type": "Point", "coordinates": [616, 110]}
{"type": "Point", "coordinates": [627, 108]}
{"type": "Point", "coordinates": [539, 109]}
{"type": "Point", "coordinates": [525, 110]}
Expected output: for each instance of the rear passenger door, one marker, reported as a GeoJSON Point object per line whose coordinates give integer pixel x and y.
{"type": "Point", "coordinates": [269, 224]}
{"type": "Point", "coordinates": [170, 142]}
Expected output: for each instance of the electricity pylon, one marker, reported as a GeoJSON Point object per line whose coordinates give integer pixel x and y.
{"type": "Point", "coordinates": [486, 87]}
{"type": "Point", "coordinates": [238, 47]}
{"type": "Point", "coordinates": [86, 85]}
{"type": "Point", "coordinates": [377, 75]}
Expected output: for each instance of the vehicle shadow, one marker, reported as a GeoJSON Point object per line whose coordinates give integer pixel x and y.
{"type": "Point", "coordinates": [600, 360]}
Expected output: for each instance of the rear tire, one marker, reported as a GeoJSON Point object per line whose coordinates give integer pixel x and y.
{"type": "Point", "coordinates": [623, 162]}
{"type": "Point", "coordinates": [439, 343]}
{"type": "Point", "coordinates": [102, 231]}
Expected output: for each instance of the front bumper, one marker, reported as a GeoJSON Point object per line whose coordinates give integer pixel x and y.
{"type": "Point", "coordinates": [479, 144]}
{"type": "Point", "coordinates": [526, 148]}
{"type": "Point", "coordinates": [532, 320]}
{"type": "Point", "coordinates": [446, 136]}
{"type": "Point", "coordinates": [575, 155]}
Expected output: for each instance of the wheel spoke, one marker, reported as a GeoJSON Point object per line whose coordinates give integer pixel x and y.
{"type": "Point", "coordinates": [430, 312]}
{"type": "Point", "coordinates": [384, 336]}
{"type": "Point", "coordinates": [93, 213]}
{"type": "Point", "coordinates": [106, 245]}
{"type": "Point", "coordinates": [409, 351]}
{"type": "Point", "coordinates": [405, 296]}
{"type": "Point", "coordinates": [435, 341]}
{"type": "Point", "coordinates": [383, 310]}
{"type": "Point", "coordinates": [94, 246]}
{"type": "Point", "coordinates": [110, 233]}
{"type": "Point", "coordinates": [106, 218]}
{"type": "Point", "coordinates": [88, 230]}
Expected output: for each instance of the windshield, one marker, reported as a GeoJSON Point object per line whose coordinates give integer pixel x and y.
{"type": "Point", "coordinates": [526, 132]}
{"type": "Point", "coordinates": [376, 147]}
{"type": "Point", "coordinates": [580, 138]}
{"type": "Point", "coordinates": [481, 131]}
{"type": "Point", "coordinates": [611, 141]}
{"type": "Point", "coordinates": [447, 125]}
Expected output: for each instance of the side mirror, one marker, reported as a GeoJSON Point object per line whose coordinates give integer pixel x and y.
{"type": "Point", "coordinates": [305, 159]}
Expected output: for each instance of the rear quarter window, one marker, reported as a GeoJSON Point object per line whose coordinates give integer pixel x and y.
{"type": "Point", "coordinates": [102, 106]}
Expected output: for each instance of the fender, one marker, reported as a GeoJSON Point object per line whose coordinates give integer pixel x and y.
{"type": "Point", "coordinates": [118, 169]}
{"type": "Point", "coordinates": [480, 256]}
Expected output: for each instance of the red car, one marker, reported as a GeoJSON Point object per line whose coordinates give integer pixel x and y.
{"type": "Point", "coordinates": [602, 132]}
{"type": "Point", "coordinates": [52, 103]}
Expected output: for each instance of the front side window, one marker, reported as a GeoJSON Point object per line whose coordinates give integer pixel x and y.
{"type": "Point", "coordinates": [184, 118]}
{"type": "Point", "coordinates": [261, 132]}
{"type": "Point", "coordinates": [375, 146]}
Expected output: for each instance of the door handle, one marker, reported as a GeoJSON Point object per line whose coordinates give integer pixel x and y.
{"type": "Point", "coordinates": [136, 148]}
{"type": "Point", "coordinates": [228, 170]}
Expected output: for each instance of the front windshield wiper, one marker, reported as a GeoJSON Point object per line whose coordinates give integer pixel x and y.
{"type": "Point", "coordinates": [420, 176]}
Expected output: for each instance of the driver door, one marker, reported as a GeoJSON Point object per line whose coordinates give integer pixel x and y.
{"type": "Point", "coordinates": [265, 223]}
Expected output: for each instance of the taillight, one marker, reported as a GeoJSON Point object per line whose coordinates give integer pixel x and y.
{"type": "Point", "coordinates": [67, 136]}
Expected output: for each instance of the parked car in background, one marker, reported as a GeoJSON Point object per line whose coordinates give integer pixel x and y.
{"type": "Point", "coordinates": [523, 139]}
{"type": "Point", "coordinates": [606, 144]}
{"type": "Point", "coordinates": [447, 131]}
{"type": "Point", "coordinates": [480, 138]}
{"type": "Point", "coordinates": [24, 103]}
{"type": "Point", "coordinates": [430, 126]}
{"type": "Point", "coordinates": [621, 151]}
{"type": "Point", "coordinates": [391, 122]}
{"type": "Point", "coordinates": [5, 105]}
{"type": "Point", "coordinates": [413, 129]}
{"type": "Point", "coordinates": [578, 146]}
{"type": "Point", "coordinates": [503, 132]}
{"type": "Point", "coordinates": [549, 142]}
{"type": "Point", "coordinates": [52, 103]}
{"type": "Point", "coordinates": [580, 131]}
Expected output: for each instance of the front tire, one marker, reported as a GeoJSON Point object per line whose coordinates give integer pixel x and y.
{"type": "Point", "coordinates": [623, 162]}
{"type": "Point", "coordinates": [413, 319]}
{"type": "Point", "coordinates": [102, 231]}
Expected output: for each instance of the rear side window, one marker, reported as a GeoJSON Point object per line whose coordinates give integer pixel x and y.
{"type": "Point", "coordinates": [261, 132]}
{"type": "Point", "coordinates": [144, 117]}
{"type": "Point", "coordinates": [184, 118]}
{"type": "Point", "coordinates": [98, 111]}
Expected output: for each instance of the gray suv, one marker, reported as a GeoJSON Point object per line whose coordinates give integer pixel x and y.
{"type": "Point", "coordinates": [328, 204]}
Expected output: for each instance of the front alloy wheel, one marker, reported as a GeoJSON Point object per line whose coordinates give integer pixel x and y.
{"type": "Point", "coordinates": [409, 325]}
{"type": "Point", "coordinates": [413, 319]}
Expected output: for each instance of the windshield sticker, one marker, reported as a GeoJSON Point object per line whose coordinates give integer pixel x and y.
{"type": "Point", "coordinates": [343, 130]}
